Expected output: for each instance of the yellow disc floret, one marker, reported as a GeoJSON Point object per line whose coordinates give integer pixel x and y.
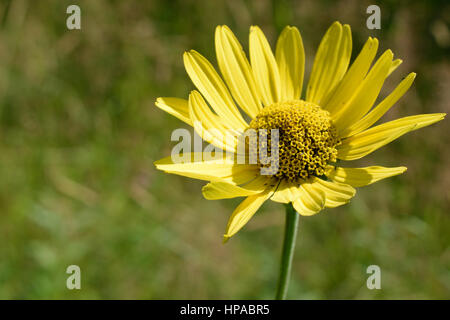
{"type": "Point", "coordinates": [307, 139]}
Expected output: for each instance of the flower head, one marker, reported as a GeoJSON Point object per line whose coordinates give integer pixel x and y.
{"type": "Point", "coordinates": [333, 121]}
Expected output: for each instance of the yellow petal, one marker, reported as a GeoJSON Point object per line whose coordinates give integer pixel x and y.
{"type": "Point", "coordinates": [381, 108]}
{"type": "Point", "coordinates": [236, 71]}
{"type": "Point", "coordinates": [209, 170]}
{"type": "Point", "coordinates": [363, 143]}
{"type": "Point", "coordinates": [286, 192]}
{"type": "Point", "coordinates": [225, 190]}
{"type": "Point", "coordinates": [336, 194]}
{"type": "Point", "coordinates": [365, 95]}
{"type": "Point", "coordinates": [309, 199]}
{"type": "Point", "coordinates": [176, 107]}
{"type": "Point", "coordinates": [331, 62]}
{"type": "Point", "coordinates": [290, 56]}
{"type": "Point", "coordinates": [209, 126]}
{"type": "Point", "coordinates": [211, 86]}
{"type": "Point", "coordinates": [264, 66]}
{"type": "Point", "coordinates": [353, 78]}
{"type": "Point", "coordinates": [360, 177]}
{"type": "Point", "coordinates": [244, 212]}
{"type": "Point", "coordinates": [260, 183]}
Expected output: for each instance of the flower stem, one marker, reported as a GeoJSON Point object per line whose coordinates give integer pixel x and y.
{"type": "Point", "coordinates": [290, 235]}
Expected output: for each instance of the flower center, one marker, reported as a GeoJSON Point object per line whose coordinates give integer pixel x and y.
{"type": "Point", "coordinates": [307, 139]}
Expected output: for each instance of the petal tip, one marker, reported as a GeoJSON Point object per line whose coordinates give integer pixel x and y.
{"type": "Point", "coordinates": [254, 28]}
{"type": "Point", "coordinates": [389, 53]}
{"type": "Point", "coordinates": [222, 28]}
{"type": "Point", "coordinates": [205, 190]}
{"type": "Point", "coordinates": [157, 163]}
{"type": "Point", "coordinates": [225, 238]}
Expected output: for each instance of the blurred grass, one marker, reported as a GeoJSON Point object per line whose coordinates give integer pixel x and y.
{"type": "Point", "coordinates": [79, 133]}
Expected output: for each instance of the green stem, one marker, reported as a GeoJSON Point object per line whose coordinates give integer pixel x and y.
{"type": "Point", "coordinates": [290, 235]}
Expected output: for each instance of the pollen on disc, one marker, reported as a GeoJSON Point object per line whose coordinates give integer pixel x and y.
{"type": "Point", "coordinates": [306, 143]}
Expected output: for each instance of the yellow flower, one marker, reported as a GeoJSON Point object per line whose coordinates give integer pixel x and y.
{"type": "Point", "coordinates": [333, 121]}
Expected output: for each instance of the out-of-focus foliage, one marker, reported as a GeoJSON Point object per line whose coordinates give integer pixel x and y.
{"type": "Point", "coordinates": [79, 133]}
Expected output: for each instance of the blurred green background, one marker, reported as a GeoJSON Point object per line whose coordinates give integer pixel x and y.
{"type": "Point", "coordinates": [79, 133]}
